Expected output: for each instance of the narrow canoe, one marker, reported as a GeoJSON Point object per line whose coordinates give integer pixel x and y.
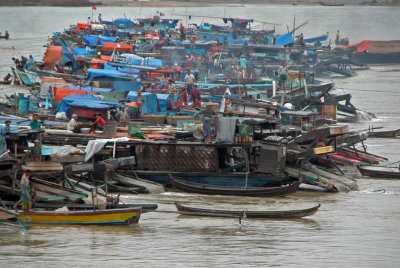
{"type": "Point", "coordinates": [121, 216]}
{"type": "Point", "coordinates": [380, 171]}
{"type": "Point", "coordinates": [200, 188]}
{"type": "Point", "coordinates": [277, 214]}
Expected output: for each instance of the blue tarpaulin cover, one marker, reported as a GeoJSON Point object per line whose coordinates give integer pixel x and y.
{"type": "Point", "coordinates": [64, 104]}
{"type": "Point", "coordinates": [150, 105]}
{"type": "Point", "coordinates": [125, 22]}
{"type": "Point", "coordinates": [94, 40]}
{"type": "Point", "coordinates": [92, 73]}
{"type": "Point", "coordinates": [125, 70]}
{"type": "Point", "coordinates": [284, 39]}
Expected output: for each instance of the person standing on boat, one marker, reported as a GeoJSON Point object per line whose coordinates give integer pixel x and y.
{"type": "Point", "coordinates": [7, 35]}
{"type": "Point", "coordinates": [4, 130]}
{"type": "Point", "coordinates": [337, 40]}
{"type": "Point", "coordinates": [36, 152]}
{"type": "Point", "coordinates": [182, 32]}
{"type": "Point", "coordinates": [123, 116]}
{"type": "Point", "coordinates": [208, 115]}
{"type": "Point", "coordinates": [233, 61]}
{"type": "Point", "coordinates": [35, 124]}
{"type": "Point", "coordinates": [139, 101]}
{"type": "Point", "coordinates": [24, 189]}
{"type": "Point", "coordinates": [282, 73]}
{"type": "Point", "coordinates": [243, 65]}
{"type": "Point", "coordinates": [189, 81]}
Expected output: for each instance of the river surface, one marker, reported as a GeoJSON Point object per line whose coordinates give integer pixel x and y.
{"type": "Point", "coordinates": [356, 229]}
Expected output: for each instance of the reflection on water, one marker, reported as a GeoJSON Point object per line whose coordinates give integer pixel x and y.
{"type": "Point", "coordinates": [356, 229]}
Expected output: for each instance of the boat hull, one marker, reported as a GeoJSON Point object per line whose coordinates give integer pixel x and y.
{"type": "Point", "coordinates": [90, 217]}
{"type": "Point", "coordinates": [200, 188]}
{"type": "Point", "coordinates": [379, 172]}
{"type": "Point", "coordinates": [281, 214]}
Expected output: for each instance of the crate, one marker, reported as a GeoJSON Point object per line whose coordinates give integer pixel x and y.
{"type": "Point", "coordinates": [154, 119]}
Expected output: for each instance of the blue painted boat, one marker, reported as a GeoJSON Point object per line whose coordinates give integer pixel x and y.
{"type": "Point", "coordinates": [25, 77]}
{"type": "Point", "coordinates": [320, 38]}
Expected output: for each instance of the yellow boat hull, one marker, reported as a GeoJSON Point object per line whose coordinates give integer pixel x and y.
{"type": "Point", "coordinates": [86, 217]}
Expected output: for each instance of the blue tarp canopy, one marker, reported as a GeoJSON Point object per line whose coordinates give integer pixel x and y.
{"type": "Point", "coordinates": [93, 73]}
{"type": "Point", "coordinates": [82, 51]}
{"type": "Point", "coordinates": [151, 104]}
{"type": "Point", "coordinates": [94, 40]}
{"type": "Point", "coordinates": [284, 39]}
{"type": "Point", "coordinates": [124, 22]}
{"type": "Point", "coordinates": [125, 70]}
{"type": "Point", "coordinates": [64, 104]}
{"type": "Point", "coordinates": [97, 104]}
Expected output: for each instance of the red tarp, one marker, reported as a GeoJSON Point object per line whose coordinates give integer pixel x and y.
{"type": "Point", "coordinates": [52, 55]}
{"type": "Point", "coordinates": [109, 46]}
{"type": "Point", "coordinates": [392, 46]}
{"type": "Point", "coordinates": [88, 113]}
{"type": "Point", "coordinates": [60, 93]}
{"type": "Point", "coordinates": [105, 57]}
{"type": "Point", "coordinates": [82, 26]}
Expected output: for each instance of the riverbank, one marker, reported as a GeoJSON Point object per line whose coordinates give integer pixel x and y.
{"type": "Point", "coordinates": [197, 3]}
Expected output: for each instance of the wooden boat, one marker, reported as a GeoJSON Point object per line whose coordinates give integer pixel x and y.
{"type": "Point", "coordinates": [7, 215]}
{"type": "Point", "coordinates": [84, 217]}
{"type": "Point", "coordinates": [384, 134]}
{"type": "Point", "coordinates": [200, 188]}
{"type": "Point", "coordinates": [331, 4]}
{"type": "Point", "coordinates": [275, 214]}
{"type": "Point", "coordinates": [380, 171]}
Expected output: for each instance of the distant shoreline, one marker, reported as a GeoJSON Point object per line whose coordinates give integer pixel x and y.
{"type": "Point", "coordinates": [195, 3]}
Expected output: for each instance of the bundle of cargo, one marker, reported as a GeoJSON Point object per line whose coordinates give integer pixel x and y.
{"type": "Point", "coordinates": [173, 120]}
{"type": "Point", "coordinates": [154, 119]}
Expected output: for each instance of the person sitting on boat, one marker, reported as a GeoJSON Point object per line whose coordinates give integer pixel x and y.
{"type": "Point", "coordinates": [7, 77]}
{"type": "Point", "coordinates": [208, 115]}
{"type": "Point", "coordinates": [99, 123]}
{"type": "Point", "coordinates": [195, 94]}
{"type": "Point", "coordinates": [24, 189]}
{"type": "Point", "coordinates": [196, 103]}
{"type": "Point", "coordinates": [282, 74]}
{"type": "Point", "coordinates": [73, 124]}
{"type": "Point", "coordinates": [36, 152]}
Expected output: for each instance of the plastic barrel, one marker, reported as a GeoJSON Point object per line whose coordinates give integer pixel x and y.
{"type": "Point", "coordinates": [110, 128]}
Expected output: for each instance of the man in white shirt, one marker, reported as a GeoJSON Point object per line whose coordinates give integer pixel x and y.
{"type": "Point", "coordinates": [189, 81]}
